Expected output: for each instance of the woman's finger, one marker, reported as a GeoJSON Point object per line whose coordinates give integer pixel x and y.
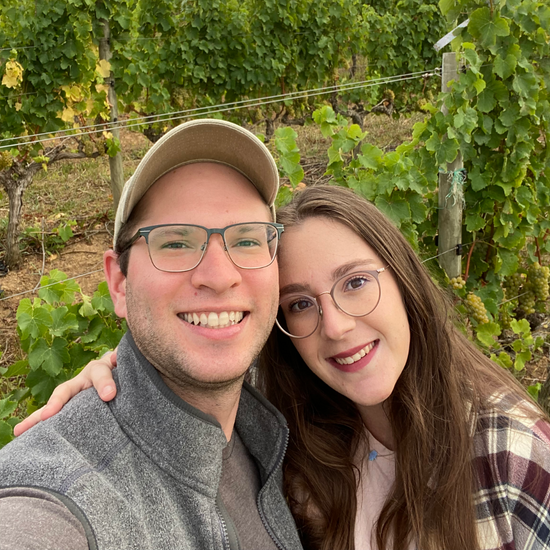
{"type": "Point", "coordinates": [28, 423]}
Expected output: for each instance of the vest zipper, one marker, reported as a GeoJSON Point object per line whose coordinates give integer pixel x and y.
{"type": "Point", "coordinates": [223, 529]}
{"type": "Point", "coordinates": [262, 515]}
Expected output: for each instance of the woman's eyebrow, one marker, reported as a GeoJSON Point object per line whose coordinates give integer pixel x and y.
{"type": "Point", "coordinates": [295, 288]}
{"type": "Point", "coordinates": [341, 270]}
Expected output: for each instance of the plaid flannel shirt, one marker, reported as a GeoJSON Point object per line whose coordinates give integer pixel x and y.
{"type": "Point", "coordinates": [512, 464]}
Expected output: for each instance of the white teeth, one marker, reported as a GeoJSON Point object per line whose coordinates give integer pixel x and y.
{"type": "Point", "coordinates": [355, 357]}
{"type": "Point", "coordinates": [223, 319]}
{"type": "Point", "coordinates": [214, 320]}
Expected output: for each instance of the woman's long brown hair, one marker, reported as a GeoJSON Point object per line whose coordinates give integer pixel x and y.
{"type": "Point", "coordinates": [432, 409]}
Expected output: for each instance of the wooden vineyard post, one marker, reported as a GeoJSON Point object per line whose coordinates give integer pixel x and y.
{"type": "Point", "coordinates": [115, 163]}
{"type": "Point", "coordinates": [450, 193]}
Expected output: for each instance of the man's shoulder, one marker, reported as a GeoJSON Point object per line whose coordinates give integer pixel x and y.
{"type": "Point", "coordinates": [78, 437]}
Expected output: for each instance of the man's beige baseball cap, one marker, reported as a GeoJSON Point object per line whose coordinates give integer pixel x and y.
{"type": "Point", "coordinates": [204, 140]}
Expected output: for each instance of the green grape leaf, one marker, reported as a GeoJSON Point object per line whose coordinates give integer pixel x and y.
{"type": "Point", "coordinates": [50, 358]}
{"type": "Point", "coordinates": [525, 84]}
{"type": "Point", "coordinates": [285, 140]}
{"type": "Point", "coordinates": [80, 357]}
{"type": "Point", "coordinates": [509, 262]}
{"type": "Point", "coordinates": [503, 359]}
{"type": "Point", "coordinates": [521, 327]}
{"type": "Point", "coordinates": [487, 332]}
{"type": "Point", "coordinates": [534, 390]}
{"type": "Point", "coordinates": [397, 210]}
{"type": "Point", "coordinates": [6, 433]}
{"type": "Point", "coordinates": [65, 232]}
{"type": "Point", "coordinates": [101, 299]}
{"type": "Point", "coordinates": [63, 322]}
{"type": "Point", "coordinates": [41, 385]}
{"type": "Point", "coordinates": [19, 368]}
{"type": "Point", "coordinates": [7, 406]}
{"type": "Point", "coordinates": [32, 319]}
{"type": "Point", "coordinates": [486, 28]}
{"type": "Point", "coordinates": [370, 157]}
{"type": "Point", "coordinates": [87, 310]}
{"type": "Point", "coordinates": [521, 358]}
{"type": "Point", "coordinates": [505, 67]}
{"type": "Point", "coordinates": [474, 222]}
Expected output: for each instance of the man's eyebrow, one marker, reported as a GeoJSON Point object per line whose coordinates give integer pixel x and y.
{"type": "Point", "coordinates": [340, 271]}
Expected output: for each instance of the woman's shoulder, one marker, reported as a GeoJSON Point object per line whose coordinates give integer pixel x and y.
{"type": "Point", "coordinates": [512, 429]}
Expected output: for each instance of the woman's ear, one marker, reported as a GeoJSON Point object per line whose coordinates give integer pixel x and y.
{"type": "Point", "coordinates": [116, 281]}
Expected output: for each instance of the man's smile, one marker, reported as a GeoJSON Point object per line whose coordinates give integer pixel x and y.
{"type": "Point", "coordinates": [211, 319]}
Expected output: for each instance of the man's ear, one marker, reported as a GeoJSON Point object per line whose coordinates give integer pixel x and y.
{"type": "Point", "coordinates": [116, 281]}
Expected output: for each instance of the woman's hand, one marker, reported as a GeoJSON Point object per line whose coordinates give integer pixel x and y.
{"type": "Point", "coordinates": [96, 373]}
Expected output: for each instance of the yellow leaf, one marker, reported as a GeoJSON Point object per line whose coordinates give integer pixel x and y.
{"type": "Point", "coordinates": [103, 68]}
{"type": "Point", "coordinates": [101, 88]}
{"type": "Point", "coordinates": [67, 115]}
{"type": "Point", "coordinates": [52, 257]}
{"type": "Point", "coordinates": [107, 135]}
{"type": "Point", "coordinates": [73, 93]}
{"type": "Point", "coordinates": [18, 106]}
{"type": "Point", "coordinates": [13, 75]}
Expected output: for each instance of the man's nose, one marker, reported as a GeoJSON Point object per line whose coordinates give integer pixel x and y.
{"type": "Point", "coordinates": [216, 270]}
{"type": "Point", "coordinates": [334, 322]}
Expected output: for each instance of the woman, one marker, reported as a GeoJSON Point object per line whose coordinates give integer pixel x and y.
{"type": "Point", "coordinates": [403, 434]}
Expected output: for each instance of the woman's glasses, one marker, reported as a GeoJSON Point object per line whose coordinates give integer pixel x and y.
{"type": "Point", "coordinates": [356, 294]}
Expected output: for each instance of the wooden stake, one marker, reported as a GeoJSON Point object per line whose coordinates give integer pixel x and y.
{"type": "Point", "coordinates": [115, 163]}
{"type": "Point", "coordinates": [450, 193]}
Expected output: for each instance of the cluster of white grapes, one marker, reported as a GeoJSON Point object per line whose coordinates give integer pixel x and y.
{"type": "Point", "coordinates": [476, 308]}
{"type": "Point", "coordinates": [535, 289]}
{"type": "Point", "coordinates": [458, 283]}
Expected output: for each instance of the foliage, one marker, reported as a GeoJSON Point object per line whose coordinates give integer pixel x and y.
{"type": "Point", "coordinates": [399, 39]}
{"type": "Point", "coordinates": [60, 331]}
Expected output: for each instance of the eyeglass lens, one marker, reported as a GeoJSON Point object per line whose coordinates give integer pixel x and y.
{"type": "Point", "coordinates": [181, 247]}
{"type": "Point", "coordinates": [356, 294]}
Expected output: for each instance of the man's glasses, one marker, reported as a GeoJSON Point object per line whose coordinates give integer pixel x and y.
{"type": "Point", "coordinates": [177, 247]}
{"type": "Point", "coordinates": [356, 294]}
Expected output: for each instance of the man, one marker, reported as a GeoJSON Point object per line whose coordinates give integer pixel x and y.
{"type": "Point", "coordinates": [185, 456]}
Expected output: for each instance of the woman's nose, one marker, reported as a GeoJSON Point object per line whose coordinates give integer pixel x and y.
{"type": "Point", "coordinates": [334, 322]}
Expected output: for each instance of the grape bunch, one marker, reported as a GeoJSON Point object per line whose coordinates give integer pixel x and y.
{"type": "Point", "coordinates": [476, 308]}
{"type": "Point", "coordinates": [537, 276]}
{"type": "Point", "coordinates": [513, 284]}
{"type": "Point", "coordinates": [458, 283]}
{"type": "Point", "coordinates": [535, 289]}
{"type": "Point", "coordinates": [6, 160]}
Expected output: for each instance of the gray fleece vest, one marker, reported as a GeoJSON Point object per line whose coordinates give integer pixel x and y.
{"type": "Point", "coordinates": [142, 472]}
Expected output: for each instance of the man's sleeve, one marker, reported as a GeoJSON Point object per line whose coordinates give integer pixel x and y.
{"type": "Point", "coordinates": [33, 519]}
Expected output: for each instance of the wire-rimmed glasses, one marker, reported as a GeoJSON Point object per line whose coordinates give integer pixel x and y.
{"type": "Point", "coordinates": [177, 248]}
{"type": "Point", "coordinates": [356, 294]}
